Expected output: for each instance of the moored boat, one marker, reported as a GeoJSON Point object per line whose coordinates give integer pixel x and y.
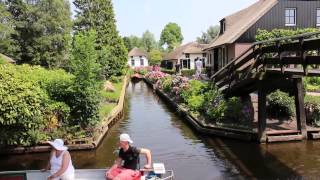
{"type": "Point", "coordinates": [81, 174]}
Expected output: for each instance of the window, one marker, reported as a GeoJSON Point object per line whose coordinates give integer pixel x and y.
{"type": "Point", "coordinates": [291, 16]}
{"type": "Point", "coordinates": [204, 55]}
{"type": "Point", "coordinates": [132, 62]}
{"type": "Point", "coordinates": [141, 62]}
{"type": "Point", "coordinates": [318, 16]}
{"type": "Point", "coordinates": [187, 55]}
{"type": "Point", "coordinates": [222, 26]}
{"type": "Point", "coordinates": [186, 63]}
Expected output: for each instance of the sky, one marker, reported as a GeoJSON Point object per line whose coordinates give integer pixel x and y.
{"type": "Point", "coordinates": [193, 16]}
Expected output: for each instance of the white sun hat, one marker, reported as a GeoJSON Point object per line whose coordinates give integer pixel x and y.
{"type": "Point", "coordinates": [58, 144]}
{"type": "Point", "coordinates": [125, 137]}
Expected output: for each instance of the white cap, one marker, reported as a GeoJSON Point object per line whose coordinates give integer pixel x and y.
{"type": "Point", "coordinates": [125, 137]}
{"type": "Point", "coordinates": [58, 144]}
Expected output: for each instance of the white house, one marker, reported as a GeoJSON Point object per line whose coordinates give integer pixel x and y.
{"type": "Point", "coordinates": [186, 55]}
{"type": "Point", "coordinates": [137, 58]}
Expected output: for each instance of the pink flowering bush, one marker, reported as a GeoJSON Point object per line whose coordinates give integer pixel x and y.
{"type": "Point", "coordinates": [154, 76]}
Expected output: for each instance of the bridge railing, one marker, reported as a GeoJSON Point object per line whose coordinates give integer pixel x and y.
{"type": "Point", "coordinates": [295, 50]}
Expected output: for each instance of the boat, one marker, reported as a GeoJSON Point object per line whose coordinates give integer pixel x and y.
{"type": "Point", "coordinates": [158, 173]}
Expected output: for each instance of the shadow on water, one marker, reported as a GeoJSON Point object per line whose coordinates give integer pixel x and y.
{"type": "Point", "coordinates": [191, 155]}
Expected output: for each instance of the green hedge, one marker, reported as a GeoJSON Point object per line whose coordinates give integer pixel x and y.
{"type": "Point", "coordinates": [280, 104]}
{"type": "Point", "coordinates": [263, 35]}
{"type": "Point", "coordinates": [30, 103]}
{"type": "Point", "coordinates": [37, 104]}
{"type": "Point", "coordinates": [188, 72]}
{"type": "Point", "coordinates": [168, 71]}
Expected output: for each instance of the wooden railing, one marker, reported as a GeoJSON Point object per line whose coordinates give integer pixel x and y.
{"type": "Point", "coordinates": [276, 55]}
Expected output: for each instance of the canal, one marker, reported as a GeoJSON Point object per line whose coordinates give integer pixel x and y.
{"type": "Point", "coordinates": [192, 156]}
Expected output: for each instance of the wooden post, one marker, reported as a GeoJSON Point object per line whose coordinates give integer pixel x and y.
{"type": "Point", "coordinates": [300, 111]}
{"type": "Point", "coordinates": [262, 113]}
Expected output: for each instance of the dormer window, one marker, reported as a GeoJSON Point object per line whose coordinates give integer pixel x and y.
{"type": "Point", "coordinates": [222, 26]}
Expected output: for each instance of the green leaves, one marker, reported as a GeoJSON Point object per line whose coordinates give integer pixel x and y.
{"type": "Point", "coordinates": [29, 96]}
{"type": "Point", "coordinates": [171, 36]}
{"type": "Point", "coordinates": [280, 104]}
{"type": "Point", "coordinates": [99, 16]}
{"type": "Point", "coordinates": [42, 32]}
{"type": "Point", "coordinates": [209, 35]}
{"type": "Point", "coordinates": [263, 35]}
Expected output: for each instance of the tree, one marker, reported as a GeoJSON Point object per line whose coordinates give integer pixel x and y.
{"type": "Point", "coordinates": [133, 41]}
{"type": "Point", "coordinates": [148, 41]}
{"type": "Point", "coordinates": [7, 44]}
{"type": "Point", "coordinates": [171, 36]}
{"type": "Point", "coordinates": [209, 35]}
{"type": "Point", "coordinates": [83, 64]}
{"type": "Point", "coordinates": [127, 43]}
{"type": "Point", "coordinates": [99, 15]}
{"type": "Point", "coordinates": [155, 57]}
{"type": "Point", "coordinates": [43, 31]}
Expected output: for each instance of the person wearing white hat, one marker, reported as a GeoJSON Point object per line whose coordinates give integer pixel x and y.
{"type": "Point", "coordinates": [126, 165]}
{"type": "Point", "coordinates": [60, 163]}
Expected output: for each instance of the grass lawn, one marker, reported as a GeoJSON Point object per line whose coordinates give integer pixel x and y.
{"type": "Point", "coordinates": [110, 99]}
{"type": "Point", "coordinates": [113, 96]}
{"type": "Point", "coordinates": [311, 87]}
{"type": "Point", "coordinates": [312, 99]}
{"type": "Point", "coordinates": [106, 109]}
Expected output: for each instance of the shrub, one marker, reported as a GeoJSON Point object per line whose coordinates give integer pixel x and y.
{"type": "Point", "coordinates": [195, 87]}
{"type": "Point", "coordinates": [234, 109]}
{"type": "Point", "coordinates": [167, 84]}
{"type": "Point", "coordinates": [22, 106]}
{"type": "Point", "coordinates": [116, 79]}
{"type": "Point", "coordinates": [168, 71]}
{"type": "Point", "coordinates": [188, 72]}
{"type": "Point", "coordinates": [280, 104]}
{"type": "Point", "coordinates": [263, 35]}
{"type": "Point", "coordinates": [195, 102]}
{"type": "Point", "coordinates": [141, 70]}
{"type": "Point", "coordinates": [215, 104]}
{"type": "Point", "coordinates": [154, 76]}
{"type": "Point", "coordinates": [312, 106]}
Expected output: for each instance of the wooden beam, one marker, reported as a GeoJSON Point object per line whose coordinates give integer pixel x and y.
{"type": "Point", "coordinates": [294, 71]}
{"type": "Point", "coordinates": [285, 138]}
{"type": "Point", "coordinates": [262, 113]}
{"type": "Point", "coordinates": [300, 111]}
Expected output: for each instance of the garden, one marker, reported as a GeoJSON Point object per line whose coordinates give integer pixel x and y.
{"type": "Point", "coordinates": [205, 102]}
{"type": "Point", "coordinates": [39, 104]}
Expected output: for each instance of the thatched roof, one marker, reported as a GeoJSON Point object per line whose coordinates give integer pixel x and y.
{"type": "Point", "coordinates": [137, 52]}
{"type": "Point", "coordinates": [7, 59]}
{"type": "Point", "coordinates": [190, 48]}
{"type": "Point", "coordinates": [239, 22]}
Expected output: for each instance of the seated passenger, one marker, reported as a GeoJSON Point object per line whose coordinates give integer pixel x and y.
{"type": "Point", "coordinates": [60, 164]}
{"type": "Point", "coordinates": [129, 156]}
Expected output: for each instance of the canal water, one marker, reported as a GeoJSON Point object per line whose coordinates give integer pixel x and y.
{"type": "Point", "coordinates": [192, 156]}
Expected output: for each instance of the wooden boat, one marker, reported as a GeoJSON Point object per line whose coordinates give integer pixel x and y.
{"type": "Point", "coordinates": [136, 77]}
{"type": "Point", "coordinates": [81, 174]}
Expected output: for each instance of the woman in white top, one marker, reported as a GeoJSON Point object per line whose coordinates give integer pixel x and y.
{"type": "Point", "coordinates": [60, 163]}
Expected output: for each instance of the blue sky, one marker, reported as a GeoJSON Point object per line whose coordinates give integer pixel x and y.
{"type": "Point", "coordinates": [193, 16]}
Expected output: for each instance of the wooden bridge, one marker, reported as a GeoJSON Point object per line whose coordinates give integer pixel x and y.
{"type": "Point", "coordinates": [270, 65]}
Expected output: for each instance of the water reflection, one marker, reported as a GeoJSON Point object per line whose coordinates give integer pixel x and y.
{"type": "Point", "coordinates": [191, 155]}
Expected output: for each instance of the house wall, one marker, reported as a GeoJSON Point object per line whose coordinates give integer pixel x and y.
{"type": "Point", "coordinates": [240, 48]}
{"type": "Point", "coordinates": [275, 18]}
{"type": "Point", "coordinates": [231, 52]}
{"type": "Point", "coordinates": [192, 58]}
{"type": "Point", "coordinates": [137, 62]}
{"type": "Point", "coordinates": [210, 58]}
